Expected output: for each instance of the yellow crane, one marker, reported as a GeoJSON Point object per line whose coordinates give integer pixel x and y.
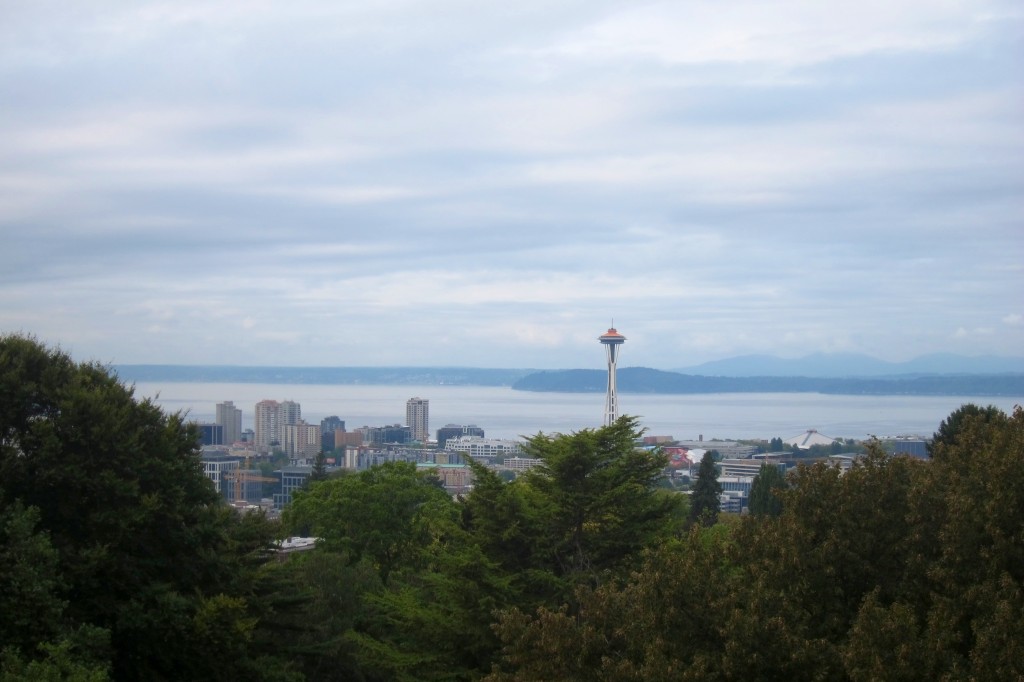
{"type": "Point", "coordinates": [243, 476]}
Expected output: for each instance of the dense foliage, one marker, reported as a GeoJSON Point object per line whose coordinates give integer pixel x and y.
{"type": "Point", "coordinates": [119, 562]}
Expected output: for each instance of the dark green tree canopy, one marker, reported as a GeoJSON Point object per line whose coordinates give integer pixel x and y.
{"type": "Point", "coordinates": [601, 493]}
{"type": "Point", "coordinates": [953, 427]}
{"type": "Point", "coordinates": [109, 494]}
{"type": "Point", "coordinates": [704, 502]}
{"type": "Point", "coordinates": [764, 493]}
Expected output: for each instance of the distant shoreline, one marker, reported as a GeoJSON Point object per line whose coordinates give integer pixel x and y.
{"type": "Point", "coordinates": [631, 380]}
{"type": "Point", "coordinates": [642, 380]}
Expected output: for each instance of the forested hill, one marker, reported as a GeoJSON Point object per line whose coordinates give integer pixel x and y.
{"type": "Point", "coordinates": [645, 380]}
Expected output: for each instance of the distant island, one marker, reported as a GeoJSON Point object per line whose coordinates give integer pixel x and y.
{"type": "Point", "coordinates": [630, 379]}
{"type": "Point", "coordinates": [645, 380]}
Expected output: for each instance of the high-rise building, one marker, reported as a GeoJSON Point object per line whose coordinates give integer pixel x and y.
{"type": "Point", "coordinates": [270, 419]}
{"type": "Point", "coordinates": [611, 340]}
{"type": "Point", "coordinates": [417, 418]}
{"type": "Point", "coordinates": [267, 424]}
{"type": "Point", "coordinates": [331, 424]}
{"type": "Point", "coordinates": [230, 417]}
{"type": "Point", "coordinates": [301, 440]}
{"type": "Point", "coordinates": [291, 412]}
{"type": "Point", "coordinates": [328, 427]}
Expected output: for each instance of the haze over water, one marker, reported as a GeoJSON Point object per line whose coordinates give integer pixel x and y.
{"type": "Point", "coordinates": [504, 413]}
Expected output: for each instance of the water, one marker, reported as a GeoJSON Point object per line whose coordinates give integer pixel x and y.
{"type": "Point", "coordinates": [504, 413]}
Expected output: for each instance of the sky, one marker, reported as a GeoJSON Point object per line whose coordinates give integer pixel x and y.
{"type": "Point", "coordinates": [494, 184]}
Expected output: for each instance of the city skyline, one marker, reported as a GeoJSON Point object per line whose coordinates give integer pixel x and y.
{"type": "Point", "coordinates": [401, 184]}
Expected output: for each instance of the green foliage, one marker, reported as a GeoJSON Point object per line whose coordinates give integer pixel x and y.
{"type": "Point", "coordinates": [704, 502]}
{"type": "Point", "coordinates": [957, 424]}
{"type": "Point", "coordinates": [109, 527]}
{"type": "Point", "coordinates": [319, 472]}
{"type": "Point", "coordinates": [600, 495]}
{"type": "Point", "coordinates": [898, 569]}
{"type": "Point", "coordinates": [30, 583]}
{"type": "Point", "coordinates": [379, 514]}
{"type": "Point", "coordinates": [764, 493]}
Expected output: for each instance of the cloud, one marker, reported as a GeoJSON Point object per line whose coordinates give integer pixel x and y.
{"type": "Point", "coordinates": [429, 182]}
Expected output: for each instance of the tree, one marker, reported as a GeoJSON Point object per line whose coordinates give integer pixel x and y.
{"type": "Point", "coordinates": [140, 539]}
{"type": "Point", "coordinates": [601, 499]}
{"type": "Point", "coordinates": [319, 472]}
{"type": "Point", "coordinates": [952, 427]}
{"type": "Point", "coordinates": [378, 514]}
{"type": "Point", "coordinates": [704, 502]}
{"type": "Point", "coordinates": [764, 498]}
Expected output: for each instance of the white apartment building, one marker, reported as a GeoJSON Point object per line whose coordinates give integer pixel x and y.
{"type": "Point", "coordinates": [484, 448]}
{"type": "Point", "coordinates": [521, 463]}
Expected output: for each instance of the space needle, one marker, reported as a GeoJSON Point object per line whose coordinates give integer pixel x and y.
{"type": "Point", "coordinates": [611, 340]}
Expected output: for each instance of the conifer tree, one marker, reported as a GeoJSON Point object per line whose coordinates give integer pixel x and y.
{"type": "Point", "coordinates": [704, 503]}
{"type": "Point", "coordinates": [764, 497]}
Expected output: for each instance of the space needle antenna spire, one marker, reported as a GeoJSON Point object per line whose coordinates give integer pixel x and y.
{"type": "Point", "coordinates": [611, 340]}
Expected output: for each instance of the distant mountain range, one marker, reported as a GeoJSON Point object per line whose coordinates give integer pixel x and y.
{"type": "Point", "coordinates": [841, 365]}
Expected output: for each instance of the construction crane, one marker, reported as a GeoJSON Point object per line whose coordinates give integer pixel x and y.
{"type": "Point", "coordinates": [243, 476]}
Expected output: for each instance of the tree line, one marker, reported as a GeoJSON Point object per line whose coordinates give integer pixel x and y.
{"type": "Point", "coordinates": [120, 561]}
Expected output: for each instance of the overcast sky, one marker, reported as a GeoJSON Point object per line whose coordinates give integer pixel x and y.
{"type": "Point", "coordinates": [491, 183]}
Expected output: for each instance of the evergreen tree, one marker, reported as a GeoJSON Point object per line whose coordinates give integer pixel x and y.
{"type": "Point", "coordinates": [704, 502]}
{"type": "Point", "coordinates": [954, 426]}
{"type": "Point", "coordinates": [319, 472]}
{"type": "Point", "coordinates": [764, 493]}
{"type": "Point", "coordinates": [601, 499]}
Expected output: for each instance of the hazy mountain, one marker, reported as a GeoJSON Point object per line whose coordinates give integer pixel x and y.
{"type": "Point", "coordinates": [853, 365]}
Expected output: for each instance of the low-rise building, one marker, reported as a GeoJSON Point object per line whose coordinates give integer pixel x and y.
{"type": "Point", "coordinates": [456, 478]}
{"type": "Point", "coordinates": [216, 464]}
{"type": "Point", "coordinates": [484, 449]}
{"type": "Point", "coordinates": [521, 463]}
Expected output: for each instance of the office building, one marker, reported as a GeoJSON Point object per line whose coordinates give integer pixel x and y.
{"type": "Point", "coordinates": [215, 465]}
{"type": "Point", "coordinates": [455, 431]}
{"type": "Point", "coordinates": [395, 434]}
{"type": "Point", "coordinates": [210, 434]}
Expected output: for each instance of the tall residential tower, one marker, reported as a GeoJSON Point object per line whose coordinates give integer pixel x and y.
{"type": "Point", "coordinates": [611, 340]}
{"type": "Point", "coordinates": [417, 417]}
{"type": "Point", "coordinates": [230, 417]}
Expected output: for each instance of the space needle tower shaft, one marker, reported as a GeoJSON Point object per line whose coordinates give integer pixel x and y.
{"type": "Point", "coordinates": [611, 340]}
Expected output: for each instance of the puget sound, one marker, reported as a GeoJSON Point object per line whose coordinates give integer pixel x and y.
{"type": "Point", "coordinates": [505, 413]}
